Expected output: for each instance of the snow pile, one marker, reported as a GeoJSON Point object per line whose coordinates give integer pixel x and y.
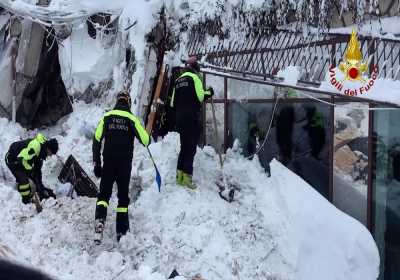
{"type": "Point", "coordinates": [279, 227]}
{"type": "Point", "coordinates": [290, 75]}
{"type": "Point", "coordinates": [85, 62]}
{"type": "Point", "coordinates": [61, 11]}
{"type": "Point", "coordinates": [312, 221]}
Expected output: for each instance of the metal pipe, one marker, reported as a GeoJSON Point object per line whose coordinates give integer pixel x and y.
{"type": "Point", "coordinates": [204, 106]}
{"type": "Point", "coordinates": [217, 141]}
{"type": "Point", "coordinates": [225, 113]}
{"type": "Point", "coordinates": [371, 170]}
{"type": "Point", "coordinates": [332, 151]}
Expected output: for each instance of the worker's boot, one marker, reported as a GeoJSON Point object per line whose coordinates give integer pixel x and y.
{"type": "Point", "coordinates": [179, 176]}
{"type": "Point", "coordinates": [187, 181]}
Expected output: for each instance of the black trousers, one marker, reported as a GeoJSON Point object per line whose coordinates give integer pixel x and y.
{"type": "Point", "coordinates": [119, 171]}
{"type": "Point", "coordinates": [189, 130]}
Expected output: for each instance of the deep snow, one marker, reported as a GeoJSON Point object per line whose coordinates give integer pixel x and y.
{"type": "Point", "coordinates": [279, 227]}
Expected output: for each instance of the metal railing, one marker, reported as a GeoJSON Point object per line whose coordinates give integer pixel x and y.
{"type": "Point", "coordinates": [265, 54]}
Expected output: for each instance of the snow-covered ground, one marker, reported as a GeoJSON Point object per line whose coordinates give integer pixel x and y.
{"type": "Point", "coordinates": [278, 227]}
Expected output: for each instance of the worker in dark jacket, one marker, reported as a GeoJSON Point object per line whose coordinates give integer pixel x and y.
{"type": "Point", "coordinates": [25, 159]}
{"type": "Point", "coordinates": [118, 128]}
{"type": "Point", "coordinates": [187, 98]}
{"type": "Point", "coordinates": [12, 270]}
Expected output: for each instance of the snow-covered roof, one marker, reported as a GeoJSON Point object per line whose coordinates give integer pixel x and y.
{"type": "Point", "coordinates": [61, 12]}
{"type": "Point", "coordinates": [385, 27]}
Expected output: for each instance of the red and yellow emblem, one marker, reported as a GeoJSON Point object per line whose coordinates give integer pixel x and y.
{"type": "Point", "coordinates": [351, 78]}
{"type": "Point", "coordinates": [353, 66]}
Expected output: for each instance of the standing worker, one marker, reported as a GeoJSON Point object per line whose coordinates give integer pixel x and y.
{"type": "Point", "coordinates": [187, 98]}
{"type": "Point", "coordinates": [25, 160]}
{"type": "Point", "coordinates": [118, 128]}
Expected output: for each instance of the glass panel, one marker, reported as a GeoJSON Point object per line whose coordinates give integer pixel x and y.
{"type": "Point", "coordinates": [306, 94]}
{"type": "Point", "coordinates": [238, 89]}
{"type": "Point", "coordinates": [386, 191]}
{"type": "Point", "coordinates": [217, 83]}
{"type": "Point", "coordinates": [350, 171]}
{"type": "Point", "coordinates": [299, 136]}
{"type": "Point", "coordinates": [210, 127]}
{"type": "Point", "coordinates": [246, 90]}
{"type": "Point", "coordinates": [248, 124]}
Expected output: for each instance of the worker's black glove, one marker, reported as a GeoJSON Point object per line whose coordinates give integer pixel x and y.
{"type": "Point", "coordinates": [46, 193]}
{"type": "Point", "coordinates": [97, 170]}
{"type": "Point", "coordinates": [211, 90]}
{"type": "Point", "coordinates": [27, 199]}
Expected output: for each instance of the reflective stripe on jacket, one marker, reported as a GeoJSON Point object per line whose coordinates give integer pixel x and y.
{"type": "Point", "coordinates": [183, 84]}
{"type": "Point", "coordinates": [32, 151]}
{"type": "Point", "coordinates": [118, 128]}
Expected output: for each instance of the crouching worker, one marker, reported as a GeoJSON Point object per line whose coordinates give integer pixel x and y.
{"type": "Point", "coordinates": [25, 160]}
{"type": "Point", "coordinates": [118, 128]}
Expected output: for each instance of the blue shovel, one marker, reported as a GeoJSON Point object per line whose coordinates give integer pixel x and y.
{"type": "Point", "coordinates": [158, 176]}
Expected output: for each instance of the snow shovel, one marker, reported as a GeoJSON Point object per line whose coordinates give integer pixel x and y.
{"type": "Point", "coordinates": [158, 176]}
{"type": "Point", "coordinates": [222, 187]}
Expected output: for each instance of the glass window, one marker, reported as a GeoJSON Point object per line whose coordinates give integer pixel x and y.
{"type": "Point", "coordinates": [217, 83]}
{"type": "Point", "coordinates": [238, 89]}
{"type": "Point", "coordinates": [210, 126]}
{"type": "Point", "coordinates": [248, 124]}
{"type": "Point", "coordinates": [386, 191]}
{"type": "Point", "coordinates": [350, 170]}
{"type": "Point", "coordinates": [299, 136]}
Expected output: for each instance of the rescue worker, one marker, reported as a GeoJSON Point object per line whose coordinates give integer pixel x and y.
{"type": "Point", "coordinates": [187, 98]}
{"type": "Point", "coordinates": [15, 271]}
{"type": "Point", "coordinates": [118, 128]}
{"type": "Point", "coordinates": [25, 160]}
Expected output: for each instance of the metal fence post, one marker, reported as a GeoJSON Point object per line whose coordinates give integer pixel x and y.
{"type": "Point", "coordinates": [332, 152]}
{"type": "Point", "coordinates": [204, 112]}
{"type": "Point", "coordinates": [371, 169]}
{"type": "Point", "coordinates": [226, 111]}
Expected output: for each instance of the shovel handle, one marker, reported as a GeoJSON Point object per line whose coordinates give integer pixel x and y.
{"type": "Point", "coordinates": [216, 132]}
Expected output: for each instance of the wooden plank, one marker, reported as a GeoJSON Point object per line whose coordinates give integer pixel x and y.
{"type": "Point", "coordinates": [153, 108]}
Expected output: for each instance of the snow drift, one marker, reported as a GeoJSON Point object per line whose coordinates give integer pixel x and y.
{"type": "Point", "coordinates": [279, 227]}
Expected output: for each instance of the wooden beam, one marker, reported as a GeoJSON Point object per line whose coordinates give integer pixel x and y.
{"type": "Point", "coordinates": [153, 108]}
